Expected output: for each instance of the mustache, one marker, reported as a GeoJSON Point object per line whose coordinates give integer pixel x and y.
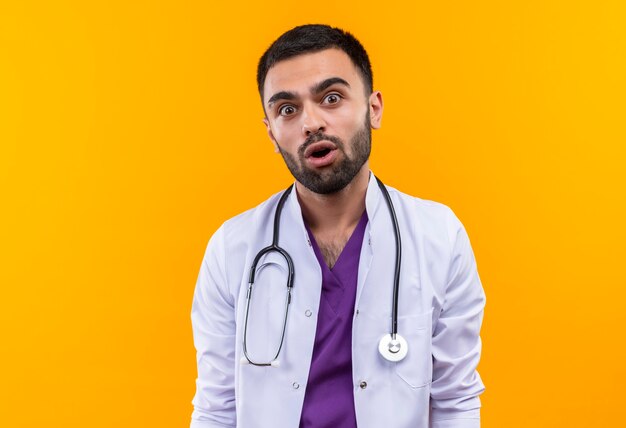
{"type": "Point", "coordinates": [319, 136]}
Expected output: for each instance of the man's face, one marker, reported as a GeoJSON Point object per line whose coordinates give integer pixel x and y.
{"type": "Point", "coordinates": [319, 118]}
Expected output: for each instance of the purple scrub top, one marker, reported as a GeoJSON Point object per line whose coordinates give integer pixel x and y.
{"type": "Point", "coordinates": [329, 397]}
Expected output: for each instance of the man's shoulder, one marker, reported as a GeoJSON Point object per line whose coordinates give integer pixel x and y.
{"type": "Point", "coordinates": [424, 207]}
{"type": "Point", "coordinates": [430, 218]}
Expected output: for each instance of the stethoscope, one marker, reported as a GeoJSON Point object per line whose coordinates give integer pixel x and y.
{"type": "Point", "coordinates": [392, 346]}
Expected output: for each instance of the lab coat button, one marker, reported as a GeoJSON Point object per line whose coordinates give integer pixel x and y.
{"type": "Point", "coordinates": [363, 384]}
{"type": "Point", "coordinates": [308, 313]}
{"type": "Point", "coordinates": [296, 385]}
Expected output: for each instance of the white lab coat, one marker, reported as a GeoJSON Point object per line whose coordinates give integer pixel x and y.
{"type": "Point", "coordinates": [440, 313]}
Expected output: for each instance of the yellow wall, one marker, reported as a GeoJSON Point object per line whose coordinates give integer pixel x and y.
{"type": "Point", "coordinates": [130, 130]}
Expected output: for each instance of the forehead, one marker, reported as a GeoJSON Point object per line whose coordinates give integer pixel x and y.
{"type": "Point", "coordinates": [299, 73]}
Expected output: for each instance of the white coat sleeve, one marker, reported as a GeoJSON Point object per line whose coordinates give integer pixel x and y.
{"type": "Point", "coordinates": [213, 322]}
{"type": "Point", "coordinates": [456, 342]}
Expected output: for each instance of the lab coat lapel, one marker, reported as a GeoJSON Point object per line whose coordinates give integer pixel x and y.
{"type": "Point", "coordinates": [306, 290]}
{"type": "Point", "coordinates": [372, 199]}
{"type": "Point", "coordinates": [302, 322]}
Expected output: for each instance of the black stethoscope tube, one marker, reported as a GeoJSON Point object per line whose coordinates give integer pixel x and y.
{"type": "Point", "coordinates": [274, 247]}
{"type": "Point", "coordinates": [396, 275]}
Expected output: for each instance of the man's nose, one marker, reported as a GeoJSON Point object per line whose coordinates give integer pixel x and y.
{"type": "Point", "coordinates": [313, 121]}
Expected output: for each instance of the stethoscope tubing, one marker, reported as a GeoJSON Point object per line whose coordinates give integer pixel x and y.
{"type": "Point", "coordinates": [396, 275]}
{"type": "Point", "coordinates": [290, 276]}
{"type": "Point", "coordinates": [274, 247]}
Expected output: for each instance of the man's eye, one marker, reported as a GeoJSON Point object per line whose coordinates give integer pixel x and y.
{"type": "Point", "coordinates": [286, 110]}
{"type": "Point", "coordinates": [332, 99]}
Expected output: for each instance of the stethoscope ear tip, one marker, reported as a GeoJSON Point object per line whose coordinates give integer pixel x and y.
{"type": "Point", "coordinates": [243, 361]}
{"type": "Point", "coordinates": [275, 363]}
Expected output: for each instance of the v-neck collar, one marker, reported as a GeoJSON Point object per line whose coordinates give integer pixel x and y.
{"type": "Point", "coordinates": [348, 248]}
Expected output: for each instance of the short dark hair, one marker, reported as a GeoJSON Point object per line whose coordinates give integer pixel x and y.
{"type": "Point", "coordinates": [314, 38]}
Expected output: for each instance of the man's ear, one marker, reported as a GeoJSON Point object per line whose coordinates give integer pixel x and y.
{"type": "Point", "coordinates": [376, 109]}
{"type": "Point", "coordinates": [270, 134]}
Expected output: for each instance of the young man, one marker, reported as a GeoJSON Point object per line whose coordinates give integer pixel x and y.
{"type": "Point", "coordinates": [318, 339]}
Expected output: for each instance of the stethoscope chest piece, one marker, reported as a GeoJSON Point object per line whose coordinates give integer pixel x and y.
{"type": "Point", "coordinates": [393, 349]}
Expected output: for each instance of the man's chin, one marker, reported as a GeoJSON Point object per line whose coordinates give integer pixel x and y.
{"type": "Point", "coordinates": [325, 187]}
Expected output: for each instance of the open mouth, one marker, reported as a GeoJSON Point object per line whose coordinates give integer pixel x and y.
{"type": "Point", "coordinates": [320, 153]}
{"type": "Point", "coordinates": [319, 150]}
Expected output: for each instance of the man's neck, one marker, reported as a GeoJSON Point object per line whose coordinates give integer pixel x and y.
{"type": "Point", "coordinates": [337, 213]}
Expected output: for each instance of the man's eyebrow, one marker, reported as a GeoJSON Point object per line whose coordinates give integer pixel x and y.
{"type": "Point", "coordinates": [282, 95]}
{"type": "Point", "coordinates": [315, 89]}
{"type": "Point", "coordinates": [325, 84]}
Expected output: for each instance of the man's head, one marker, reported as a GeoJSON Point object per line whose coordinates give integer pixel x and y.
{"type": "Point", "coordinates": [314, 38]}
{"type": "Point", "coordinates": [316, 85]}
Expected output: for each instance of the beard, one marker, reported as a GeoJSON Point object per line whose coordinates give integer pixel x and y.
{"type": "Point", "coordinates": [337, 176]}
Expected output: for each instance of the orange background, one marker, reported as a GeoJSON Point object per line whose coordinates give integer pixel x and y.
{"type": "Point", "coordinates": [130, 130]}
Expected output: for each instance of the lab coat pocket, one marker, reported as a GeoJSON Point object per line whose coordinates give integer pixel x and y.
{"type": "Point", "coordinates": [416, 368]}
